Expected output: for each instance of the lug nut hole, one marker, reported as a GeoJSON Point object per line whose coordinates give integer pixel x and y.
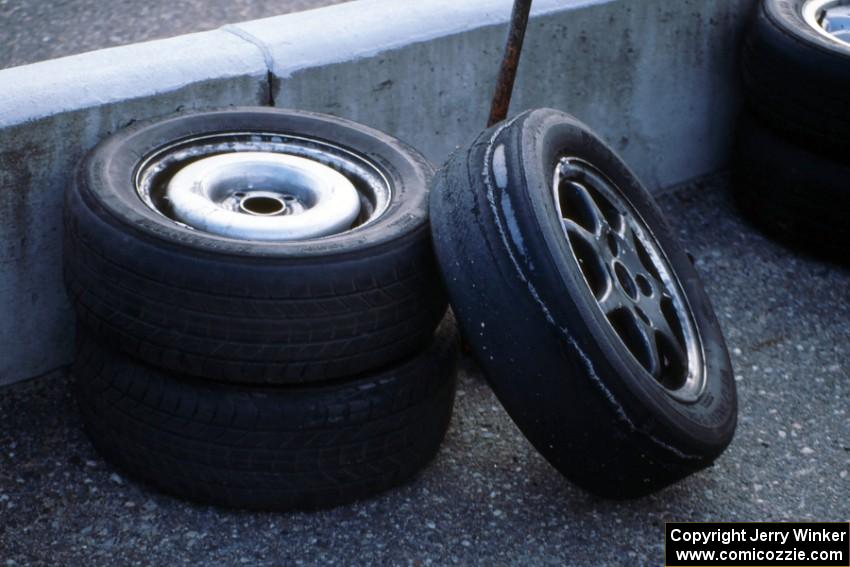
{"type": "Point", "coordinates": [644, 285]}
{"type": "Point", "coordinates": [625, 278]}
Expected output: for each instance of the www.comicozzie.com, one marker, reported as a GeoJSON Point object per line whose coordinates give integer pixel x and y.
{"type": "Point", "coordinates": [804, 544]}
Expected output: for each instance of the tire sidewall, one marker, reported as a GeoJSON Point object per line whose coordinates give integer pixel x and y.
{"type": "Point", "coordinates": [787, 15]}
{"type": "Point", "coordinates": [106, 180]}
{"type": "Point", "coordinates": [546, 261]}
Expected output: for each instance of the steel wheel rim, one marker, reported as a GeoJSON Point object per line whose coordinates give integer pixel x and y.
{"type": "Point", "coordinates": [829, 18]}
{"type": "Point", "coordinates": [258, 186]}
{"type": "Point", "coordinates": [629, 277]}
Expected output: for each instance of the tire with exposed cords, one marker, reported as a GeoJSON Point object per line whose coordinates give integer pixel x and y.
{"type": "Point", "coordinates": [268, 447]}
{"type": "Point", "coordinates": [254, 245]}
{"type": "Point", "coordinates": [583, 310]}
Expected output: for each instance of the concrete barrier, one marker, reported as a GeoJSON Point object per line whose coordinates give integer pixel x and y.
{"type": "Point", "coordinates": [51, 113]}
{"type": "Point", "coordinates": [656, 78]}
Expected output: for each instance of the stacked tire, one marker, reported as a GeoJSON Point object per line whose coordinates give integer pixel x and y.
{"type": "Point", "coordinates": [792, 161]}
{"type": "Point", "coordinates": [245, 368]}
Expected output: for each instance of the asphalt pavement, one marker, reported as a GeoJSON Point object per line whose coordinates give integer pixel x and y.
{"type": "Point", "coordinates": [488, 498]}
{"type": "Point", "coordinates": [35, 30]}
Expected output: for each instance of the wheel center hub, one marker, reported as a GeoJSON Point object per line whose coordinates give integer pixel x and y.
{"type": "Point", "coordinates": [263, 196]}
{"type": "Point", "coordinates": [263, 204]}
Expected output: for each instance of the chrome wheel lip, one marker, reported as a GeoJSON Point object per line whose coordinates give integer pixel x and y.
{"type": "Point", "coordinates": [152, 175]}
{"type": "Point", "coordinates": [303, 199]}
{"type": "Point", "coordinates": [814, 12]}
{"type": "Point", "coordinates": [694, 381]}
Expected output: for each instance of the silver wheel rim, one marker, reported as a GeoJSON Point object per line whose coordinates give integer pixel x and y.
{"type": "Point", "coordinates": [263, 187]}
{"type": "Point", "coordinates": [630, 278]}
{"type": "Point", "coordinates": [263, 196]}
{"type": "Point", "coordinates": [829, 18]}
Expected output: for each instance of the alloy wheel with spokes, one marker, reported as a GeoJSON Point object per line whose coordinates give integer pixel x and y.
{"type": "Point", "coordinates": [629, 277]}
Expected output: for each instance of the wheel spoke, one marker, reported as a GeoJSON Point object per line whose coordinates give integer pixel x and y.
{"type": "Point", "coordinates": [589, 182]}
{"type": "Point", "coordinates": [643, 259]}
{"type": "Point", "coordinates": [675, 339]}
{"type": "Point", "coordinates": [660, 316]}
{"type": "Point", "coordinates": [612, 300]}
{"type": "Point", "coordinates": [573, 228]}
{"type": "Point", "coordinates": [673, 361]}
{"type": "Point", "coordinates": [637, 336]}
{"type": "Point", "coordinates": [652, 308]}
{"type": "Point", "coordinates": [654, 366]}
{"type": "Point", "coordinates": [630, 256]}
{"type": "Point", "coordinates": [578, 206]}
{"type": "Point", "coordinates": [585, 250]}
{"type": "Point", "coordinates": [601, 221]}
{"type": "Point", "coordinates": [678, 351]}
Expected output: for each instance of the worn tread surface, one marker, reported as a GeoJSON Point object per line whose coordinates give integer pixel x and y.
{"type": "Point", "coordinates": [262, 447]}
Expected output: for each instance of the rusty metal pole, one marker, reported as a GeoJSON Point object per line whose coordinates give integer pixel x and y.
{"type": "Point", "coordinates": [510, 62]}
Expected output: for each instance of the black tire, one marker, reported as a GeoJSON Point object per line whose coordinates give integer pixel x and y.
{"type": "Point", "coordinates": [546, 348]}
{"type": "Point", "coordinates": [796, 80]}
{"type": "Point", "coordinates": [262, 447]}
{"type": "Point", "coordinates": [248, 311]}
{"type": "Point", "coordinates": [796, 195]}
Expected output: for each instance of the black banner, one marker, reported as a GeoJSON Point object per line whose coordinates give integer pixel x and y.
{"type": "Point", "coordinates": [765, 544]}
